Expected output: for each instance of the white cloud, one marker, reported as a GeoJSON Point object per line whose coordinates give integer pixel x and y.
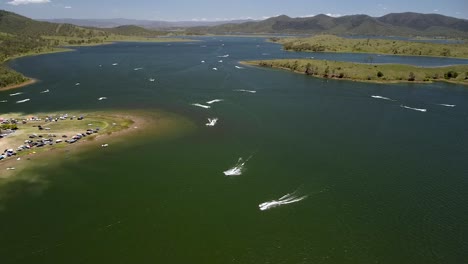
{"type": "Point", "coordinates": [436, 10]}
{"type": "Point", "coordinates": [67, 7]}
{"type": "Point", "coordinates": [333, 15]}
{"type": "Point", "coordinates": [25, 2]}
{"type": "Point", "coordinates": [308, 15]}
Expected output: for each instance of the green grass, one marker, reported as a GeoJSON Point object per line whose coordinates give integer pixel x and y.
{"type": "Point", "coordinates": [330, 43]}
{"type": "Point", "coordinates": [369, 72]}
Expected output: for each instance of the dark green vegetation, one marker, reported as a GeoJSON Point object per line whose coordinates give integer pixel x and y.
{"type": "Point", "coordinates": [399, 24]}
{"type": "Point", "coordinates": [369, 72]}
{"type": "Point", "coordinates": [329, 43]}
{"type": "Point", "coordinates": [21, 36]}
{"type": "Point", "coordinates": [9, 77]}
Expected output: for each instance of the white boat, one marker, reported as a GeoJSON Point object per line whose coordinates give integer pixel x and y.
{"type": "Point", "coordinates": [76, 84]}
{"type": "Point", "coordinates": [137, 69]}
{"type": "Point", "coordinates": [215, 69]}
{"type": "Point", "coordinates": [15, 94]}
{"type": "Point", "coordinates": [238, 67]}
{"type": "Point", "coordinates": [115, 64]}
{"type": "Point", "coordinates": [102, 98]}
{"type": "Point", "coordinates": [202, 61]}
{"type": "Point", "coordinates": [22, 101]}
{"type": "Point", "coordinates": [45, 91]}
{"type": "Point", "coordinates": [214, 101]}
{"type": "Point", "coordinates": [202, 106]}
{"type": "Point", "coordinates": [152, 79]}
{"type": "Point", "coordinates": [212, 122]}
{"type": "Point", "coordinates": [224, 56]}
{"type": "Point", "coordinates": [245, 91]}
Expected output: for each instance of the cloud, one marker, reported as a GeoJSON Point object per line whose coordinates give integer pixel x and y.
{"type": "Point", "coordinates": [436, 10]}
{"type": "Point", "coordinates": [333, 15]}
{"type": "Point", "coordinates": [26, 2]}
{"type": "Point", "coordinates": [67, 7]}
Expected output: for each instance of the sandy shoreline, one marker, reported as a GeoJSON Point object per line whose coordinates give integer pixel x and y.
{"type": "Point", "coordinates": [137, 124]}
{"type": "Point", "coordinates": [20, 85]}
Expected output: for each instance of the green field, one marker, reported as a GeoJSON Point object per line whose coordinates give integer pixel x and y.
{"type": "Point", "coordinates": [369, 72]}
{"type": "Point", "coordinates": [330, 43]}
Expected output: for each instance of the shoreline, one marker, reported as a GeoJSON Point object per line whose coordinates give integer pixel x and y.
{"type": "Point", "coordinates": [133, 124]}
{"type": "Point", "coordinates": [302, 70]}
{"type": "Point", "coordinates": [19, 85]}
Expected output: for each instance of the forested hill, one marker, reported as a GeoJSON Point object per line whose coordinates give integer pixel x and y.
{"type": "Point", "coordinates": [396, 24]}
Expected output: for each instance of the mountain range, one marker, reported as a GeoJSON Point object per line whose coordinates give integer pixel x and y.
{"type": "Point", "coordinates": [149, 24]}
{"type": "Point", "coordinates": [394, 24]}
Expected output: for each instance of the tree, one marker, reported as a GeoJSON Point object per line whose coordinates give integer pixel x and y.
{"type": "Point", "coordinates": [380, 74]}
{"type": "Point", "coordinates": [308, 70]}
{"type": "Point", "coordinates": [411, 77]}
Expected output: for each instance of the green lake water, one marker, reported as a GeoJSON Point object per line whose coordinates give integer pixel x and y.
{"type": "Point", "coordinates": [384, 184]}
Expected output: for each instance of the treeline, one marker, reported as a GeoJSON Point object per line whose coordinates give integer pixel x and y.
{"type": "Point", "coordinates": [12, 46]}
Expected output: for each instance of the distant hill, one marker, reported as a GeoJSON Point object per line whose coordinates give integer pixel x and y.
{"type": "Point", "coordinates": [397, 24]}
{"type": "Point", "coordinates": [149, 24]}
{"type": "Point", "coordinates": [19, 25]}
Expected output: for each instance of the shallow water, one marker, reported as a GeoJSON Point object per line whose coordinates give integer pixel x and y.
{"type": "Point", "coordinates": [395, 178]}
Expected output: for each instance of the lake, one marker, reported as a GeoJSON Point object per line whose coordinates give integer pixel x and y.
{"type": "Point", "coordinates": [379, 183]}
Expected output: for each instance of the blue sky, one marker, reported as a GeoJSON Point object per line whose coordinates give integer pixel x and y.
{"type": "Point", "coordinates": [212, 10]}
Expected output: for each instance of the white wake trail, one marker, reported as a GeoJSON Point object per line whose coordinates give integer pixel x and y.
{"type": "Point", "coordinates": [415, 109]}
{"type": "Point", "coordinates": [283, 200]}
{"type": "Point", "coordinates": [448, 105]}
{"type": "Point", "coordinates": [202, 106]}
{"type": "Point", "coordinates": [381, 97]}
{"type": "Point", "coordinates": [215, 101]}
{"type": "Point", "coordinates": [237, 169]}
{"type": "Point", "coordinates": [245, 91]}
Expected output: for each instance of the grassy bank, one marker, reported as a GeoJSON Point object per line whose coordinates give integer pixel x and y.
{"type": "Point", "coordinates": [382, 73]}
{"type": "Point", "coordinates": [330, 43]}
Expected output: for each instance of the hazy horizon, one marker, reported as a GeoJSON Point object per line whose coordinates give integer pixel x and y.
{"type": "Point", "coordinates": [211, 10]}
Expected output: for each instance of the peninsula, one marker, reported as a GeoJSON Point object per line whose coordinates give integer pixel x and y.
{"type": "Point", "coordinates": [380, 73]}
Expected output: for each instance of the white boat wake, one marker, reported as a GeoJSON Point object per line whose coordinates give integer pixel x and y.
{"type": "Point", "coordinates": [212, 122]}
{"type": "Point", "coordinates": [285, 199]}
{"type": "Point", "coordinates": [245, 91]}
{"type": "Point", "coordinates": [4, 101]}
{"type": "Point", "coordinates": [220, 61]}
{"type": "Point", "coordinates": [22, 101]}
{"type": "Point", "coordinates": [224, 56]}
{"type": "Point", "coordinates": [237, 169]}
{"type": "Point", "coordinates": [115, 64]}
{"type": "Point", "coordinates": [102, 98]}
{"type": "Point", "coordinates": [381, 97]}
{"type": "Point", "coordinates": [415, 109]}
{"type": "Point", "coordinates": [214, 101]}
{"type": "Point", "coordinates": [215, 69]}
{"type": "Point", "coordinates": [137, 69]}
{"type": "Point", "coordinates": [45, 91]}
{"type": "Point", "coordinates": [448, 105]}
{"type": "Point", "coordinates": [202, 106]}
{"type": "Point", "coordinates": [239, 67]}
{"type": "Point", "coordinates": [15, 94]}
